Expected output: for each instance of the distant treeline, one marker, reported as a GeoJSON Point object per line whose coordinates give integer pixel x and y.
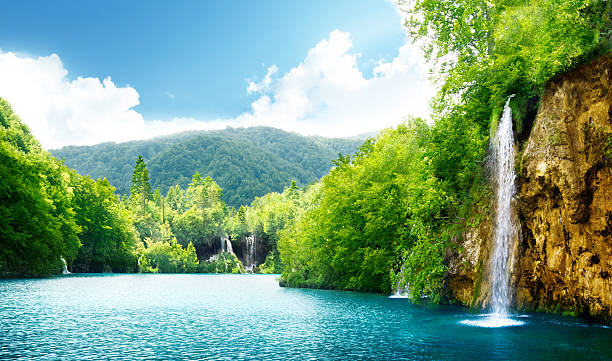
{"type": "Point", "coordinates": [245, 162]}
{"type": "Point", "coordinates": [49, 214]}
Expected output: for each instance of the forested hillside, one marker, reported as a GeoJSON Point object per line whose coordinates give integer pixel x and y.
{"type": "Point", "coordinates": [245, 162]}
{"type": "Point", "coordinates": [52, 218]}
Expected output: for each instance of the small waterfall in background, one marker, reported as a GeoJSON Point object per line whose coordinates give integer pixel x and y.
{"type": "Point", "coordinates": [65, 270]}
{"type": "Point", "coordinates": [249, 258]}
{"type": "Point", "coordinates": [228, 246]}
{"type": "Point", "coordinates": [401, 289]}
{"type": "Point", "coordinates": [505, 229]}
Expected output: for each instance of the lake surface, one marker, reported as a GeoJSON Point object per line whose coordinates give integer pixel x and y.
{"type": "Point", "coordinates": [233, 317]}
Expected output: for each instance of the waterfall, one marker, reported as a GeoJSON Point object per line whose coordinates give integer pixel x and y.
{"type": "Point", "coordinates": [505, 229]}
{"type": "Point", "coordinates": [228, 246]}
{"type": "Point", "coordinates": [401, 288]}
{"type": "Point", "coordinates": [249, 258]}
{"type": "Point", "coordinates": [65, 270]}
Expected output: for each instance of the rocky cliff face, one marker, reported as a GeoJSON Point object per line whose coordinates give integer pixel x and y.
{"type": "Point", "coordinates": [562, 259]}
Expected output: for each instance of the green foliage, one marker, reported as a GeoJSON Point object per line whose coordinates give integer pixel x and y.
{"type": "Point", "coordinates": [140, 191]}
{"type": "Point", "coordinates": [204, 220]}
{"type": "Point", "coordinates": [424, 269]}
{"type": "Point", "coordinates": [37, 224]}
{"type": "Point", "coordinates": [246, 163]}
{"type": "Point", "coordinates": [222, 263]}
{"type": "Point", "coordinates": [485, 51]}
{"type": "Point", "coordinates": [167, 257]}
{"type": "Point", "coordinates": [272, 264]}
{"type": "Point", "coordinates": [107, 233]}
{"type": "Point", "coordinates": [366, 210]}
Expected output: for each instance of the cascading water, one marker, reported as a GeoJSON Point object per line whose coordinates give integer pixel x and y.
{"type": "Point", "coordinates": [505, 229]}
{"type": "Point", "coordinates": [65, 268]}
{"type": "Point", "coordinates": [401, 288]}
{"type": "Point", "coordinates": [228, 246]}
{"type": "Point", "coordinates": [249, 258]}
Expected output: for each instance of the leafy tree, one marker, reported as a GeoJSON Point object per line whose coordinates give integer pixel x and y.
{"type": "Point", "coordinates": [37, 226]}
{"type": "Point", "coordinates": [204, 220]}
{"type": "Point", "coordinates": [176, 199]}
{"type": "Point", "coordinates": [107, 233]}
{"type": "Point", "coordinates": [167, 257]}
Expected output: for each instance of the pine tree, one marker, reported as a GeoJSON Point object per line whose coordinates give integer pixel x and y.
{"type": "Point", "coordinates": [140, 182]}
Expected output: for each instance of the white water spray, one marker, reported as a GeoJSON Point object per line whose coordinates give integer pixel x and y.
{"type": "Point", "coordinates": [251, 249]}
{"type": "Point", "coordinates": [228, 246]}
{"type": "Point", "coordinates": [401, 288]}
{"type": "Point", "coordinates": [505, 229]}
{"type": "Point", "coordinates": [65, 270]}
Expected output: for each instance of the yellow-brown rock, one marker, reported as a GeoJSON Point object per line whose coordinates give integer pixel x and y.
{"type": "Point", "coordinates": [565, 198]}
{"type": "Point", "coordinates": [562, 260]}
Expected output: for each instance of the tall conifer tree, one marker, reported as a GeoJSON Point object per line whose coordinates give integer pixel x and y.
{"type": "Point", "coordinates": [140, 182]}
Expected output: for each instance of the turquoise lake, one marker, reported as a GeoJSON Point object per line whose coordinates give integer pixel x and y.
{"type": "Point", "coordinates": [235, 317]}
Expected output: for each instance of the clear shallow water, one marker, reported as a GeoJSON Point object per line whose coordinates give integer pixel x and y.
{"type": "Point", "coordinates": [236, 317]}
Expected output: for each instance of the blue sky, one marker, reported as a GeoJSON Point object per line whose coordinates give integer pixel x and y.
{"type": "Point", "coordinates": [188, 60]}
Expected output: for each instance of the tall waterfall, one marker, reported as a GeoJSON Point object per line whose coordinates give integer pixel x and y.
{"type": "Point", "coordinates": [505, 229]}
{"type": "Point", "coordinates": [251, 249]}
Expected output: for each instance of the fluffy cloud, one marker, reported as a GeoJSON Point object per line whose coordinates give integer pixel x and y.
{"type": "Point", "coordinates": [326, 94]}
{"type": "Point", "coordinates": [61, 112]}
{"type": "Point", "coordinates": [265, 83]}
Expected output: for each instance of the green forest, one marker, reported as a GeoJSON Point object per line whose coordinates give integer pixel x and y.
{"type": "Point", "coordinates": [383, 216]}
{"type": "Point", "coordinates": [52, 215]}
{"type": "Point", "coordinates": [245, 162]}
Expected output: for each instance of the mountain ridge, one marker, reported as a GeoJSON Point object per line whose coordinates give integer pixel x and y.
{"type": "Point", "coordinates": [245, 162]}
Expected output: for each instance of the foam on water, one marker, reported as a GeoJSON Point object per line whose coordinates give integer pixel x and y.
{"type": "Point", "coordinates": [492, 321]}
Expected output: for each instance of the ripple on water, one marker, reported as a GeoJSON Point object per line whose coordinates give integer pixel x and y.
{"type": "Point", "coordinates": [240, 317]}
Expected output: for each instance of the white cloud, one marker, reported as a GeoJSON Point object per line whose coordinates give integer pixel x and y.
{"type": "Point", "coordinates": [61, 112]}
{"type": "Point", "coordinates": [265, 83]}
{"type": "Point", "coordinates": [326, 94]}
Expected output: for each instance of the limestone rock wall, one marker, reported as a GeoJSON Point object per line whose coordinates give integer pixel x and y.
{"type": "Point", "coordinates": [562, 259]}
{"type": "Point", "coordinates": [565, 198]}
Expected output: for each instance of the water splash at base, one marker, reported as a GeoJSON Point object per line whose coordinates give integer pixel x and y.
{"type": "Point", "coordinates": [493, 321]}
